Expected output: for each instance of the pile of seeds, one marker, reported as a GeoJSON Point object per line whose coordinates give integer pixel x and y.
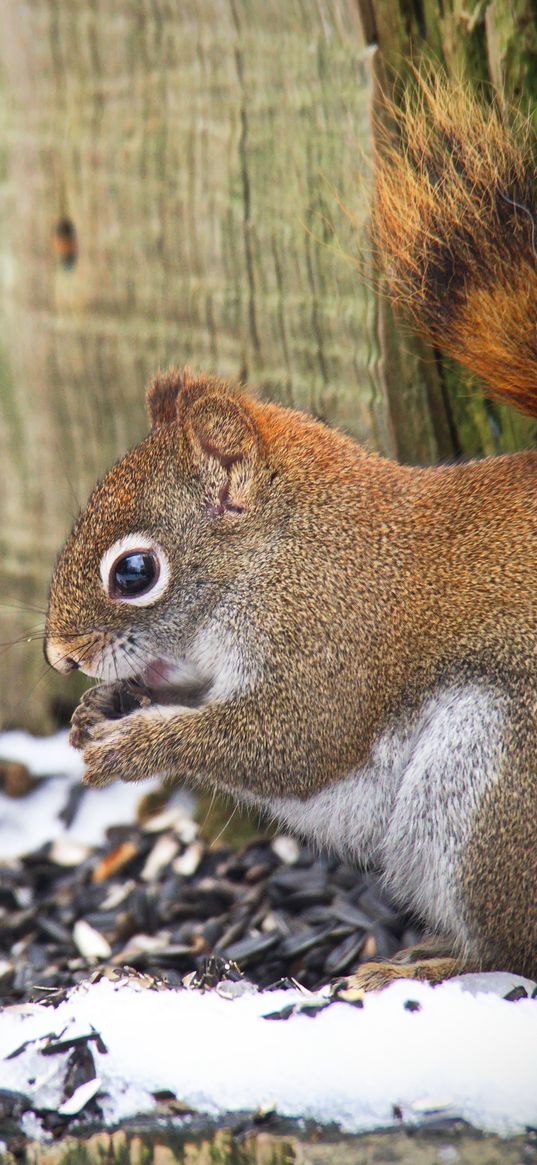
{"type": "Point", "coordinates": [161, 900]}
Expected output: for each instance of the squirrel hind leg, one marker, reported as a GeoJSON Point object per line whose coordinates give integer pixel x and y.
{"type": "Point", "coordinates": [376, 976]}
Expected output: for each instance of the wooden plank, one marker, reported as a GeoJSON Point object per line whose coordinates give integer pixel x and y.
{"type": "Point", "coordinates": [209, 157]}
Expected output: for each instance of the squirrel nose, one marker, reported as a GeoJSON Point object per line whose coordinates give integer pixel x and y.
{"type": "Point", "coordinates": [57, 658]}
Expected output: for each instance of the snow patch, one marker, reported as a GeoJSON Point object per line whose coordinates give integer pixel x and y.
{"type": "Point", "coordinates": [466, 1052]}
{"type": "Point", "coordinates": [32, 821]}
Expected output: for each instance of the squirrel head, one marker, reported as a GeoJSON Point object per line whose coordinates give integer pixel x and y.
{"type": "Point", "coordinates": [150, 558]}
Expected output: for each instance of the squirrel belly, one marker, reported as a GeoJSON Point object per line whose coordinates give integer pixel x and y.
{"type": "Point", "coordinates": [401, 812]}
{"type": "Point", "coordinates": [352, 643]}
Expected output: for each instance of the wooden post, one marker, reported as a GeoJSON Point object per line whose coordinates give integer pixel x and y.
{"type": "Point", "coordinates": [186, 183]}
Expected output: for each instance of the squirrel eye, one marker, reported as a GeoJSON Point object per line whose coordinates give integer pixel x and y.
{"type": "Point", "coordinates": [133, 574]}
{"type": "Point", "coordinates": [135, 570]}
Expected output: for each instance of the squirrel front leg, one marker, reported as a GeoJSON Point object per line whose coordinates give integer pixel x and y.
{"type": "Point", "coordinates": [219, 741]}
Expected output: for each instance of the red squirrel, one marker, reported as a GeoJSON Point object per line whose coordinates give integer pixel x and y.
{"type": "Point", "coordinates": [275, 612]}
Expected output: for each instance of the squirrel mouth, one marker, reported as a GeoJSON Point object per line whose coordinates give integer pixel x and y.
{"type": "Point", "coordinates": [156, 675]}
{"type": "Point", "coordinates": [161, 682]}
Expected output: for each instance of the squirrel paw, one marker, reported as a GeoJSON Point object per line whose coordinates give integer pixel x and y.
{"type": "Point", "coordinates": [96, 704]}
{"type": "Point", "coordinates": [376, 976]}
{"type": "Point", "coordinates": [130, 748]}
{"type": "Point", "coordinates": [118, 749]}
{"type": "Point", "coordinates": [100, 705]}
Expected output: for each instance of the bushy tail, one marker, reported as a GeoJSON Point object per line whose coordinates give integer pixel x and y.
{"type": "Point", "coordinates": [455, 222]}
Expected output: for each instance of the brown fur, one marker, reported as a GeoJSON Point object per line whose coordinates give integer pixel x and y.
{"type": "Point", "coordinates": [455, 222]}
{"type": "Point", "coordinates": [351, 589]}
{"type": "Point", "coordinates": [503, 907]}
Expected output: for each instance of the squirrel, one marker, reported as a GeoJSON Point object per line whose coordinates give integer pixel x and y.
{"type": "Point", "coordinates": [275, 612]}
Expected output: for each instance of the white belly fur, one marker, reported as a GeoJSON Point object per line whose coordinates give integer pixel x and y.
{"type": "Point", "coordinates": [410, 810]}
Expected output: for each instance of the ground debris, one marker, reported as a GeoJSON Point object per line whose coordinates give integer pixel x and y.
{"type": "Point", "coordinates": [158, 898]}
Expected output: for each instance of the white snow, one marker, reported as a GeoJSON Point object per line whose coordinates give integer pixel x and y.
{"type": "Point", "coordinates": [42, 754]}
{"type": "Point", "coordinates": [467, 1052]}
{"type": "Point", "coordinates": [464, 1054]}
{"type": "Point", "coordinates": [30, 822]}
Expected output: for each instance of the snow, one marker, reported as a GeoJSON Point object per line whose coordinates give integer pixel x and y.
{"type": "Point", "coordinates": [42, 754]}
{"type": "Point", "coordinates": [466, 1052]}
{"type": "Point", "coordinates": [463, 1054]}
{"type": "Point", "coordinates": [27, 824]}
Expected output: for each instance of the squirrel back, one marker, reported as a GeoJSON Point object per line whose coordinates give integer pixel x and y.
{"type": "Point", "coordinates": [455, 225]}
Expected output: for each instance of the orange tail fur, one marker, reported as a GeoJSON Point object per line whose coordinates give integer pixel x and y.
{"type": "Point", "coordinates": [455, 223]}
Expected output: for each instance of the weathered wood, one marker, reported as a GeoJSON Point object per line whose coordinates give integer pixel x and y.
{"type": "Point", "coordinates": [223, 1147]}
{"type": "Point", "coordinates": [511, 41]}
{"type": "Point", "coordinates": [204, 153]}
{"type": "Point", "coordinates": [200, 151]}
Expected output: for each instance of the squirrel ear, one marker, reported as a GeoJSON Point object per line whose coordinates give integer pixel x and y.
{"type": "Point", "coordinates": [168, 391]}
{"type": "Point", "coordinates": [161, 397]}
{"type": "Point", "coordinates": [222, 429]}
{"type": "Point", "coordinates": [223, 441]}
